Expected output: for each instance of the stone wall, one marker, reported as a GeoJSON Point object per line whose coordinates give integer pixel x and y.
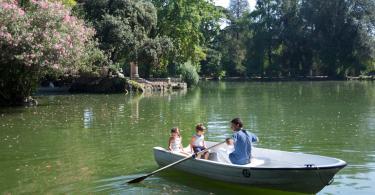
{"type": "Point", "coordinates": [101, 85]}
{"type": "Point", "coordinates": [122, 85]}
{"type": "Point", "coordinates": [161, 85]}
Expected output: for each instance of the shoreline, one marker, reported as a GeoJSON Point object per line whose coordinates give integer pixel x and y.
{"type": "Point", "coordinates": [159, 85]}
{"type": "Point", "coordinates": [288, 79]}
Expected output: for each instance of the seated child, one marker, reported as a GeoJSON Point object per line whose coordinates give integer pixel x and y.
{"type": "Point", "coordinates": [229, 141]}
{"type": "Point", "coordinates": [175, 144]}
{"type": "Point", "coordinates": [230, 145]}
{"type": "Point", "coordinates": [224, 151]}
{"type": "Point", "coordinates": [197, 141]}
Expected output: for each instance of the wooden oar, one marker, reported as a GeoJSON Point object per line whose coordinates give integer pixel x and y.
{"type": "Point", "coordinates": [139, 179]}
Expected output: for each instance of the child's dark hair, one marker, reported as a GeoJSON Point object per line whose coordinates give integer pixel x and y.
{"type": "Point", "coordinates": [200, 127]}
{"type": "Point", "coordinates": [175, 130]}
{"type": "Point", "coordinates": [237, 121]}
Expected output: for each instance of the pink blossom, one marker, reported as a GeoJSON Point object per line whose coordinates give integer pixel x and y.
{"type": "Point", "coordinates": [56, 34]}
{"type": "Point", "coordinates": [49, 32]}
{"type": "Point", "coordinates": [43, 4]}
{"type": "Point", "coordinates": [21, 12]}
{"type": "Point", "coordinates": [7, 36]}
{"type": "Point", "coordinates": [5, 6]}
{"type": "Point", "coordinates": [8, 6]}
{"type": "Point", "coordinates": [67, 18]}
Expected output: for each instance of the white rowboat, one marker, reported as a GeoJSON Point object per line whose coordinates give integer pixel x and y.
{"type": "Point", "coordinates": [272, 169]}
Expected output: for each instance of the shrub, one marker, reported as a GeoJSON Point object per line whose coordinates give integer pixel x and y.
{"type": "Point", "coordinates": [189, 74]}
{"type": "Point", "coordinates": [38, 39]}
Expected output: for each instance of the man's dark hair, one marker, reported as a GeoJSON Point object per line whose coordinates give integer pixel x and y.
{"type": "Point", "coordinates": [237, 121]}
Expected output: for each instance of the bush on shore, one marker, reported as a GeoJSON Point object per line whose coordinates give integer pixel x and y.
{"type": "Point", "coordinates": [40, 37]}
{"type": "Point", "coordinates": [189, 74]}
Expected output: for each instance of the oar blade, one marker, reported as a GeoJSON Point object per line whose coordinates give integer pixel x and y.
{"type": "Point", "coordinates": [137, 180]}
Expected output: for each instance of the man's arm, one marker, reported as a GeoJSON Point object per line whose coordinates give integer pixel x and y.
{"type": "Point", "coordinates": [254, 138]}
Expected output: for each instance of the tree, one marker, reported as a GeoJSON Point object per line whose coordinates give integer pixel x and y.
{"type": "Point", "coordinates": [183, 21]}
{"type": "Point", "coordinates": [296, 55]}
{"type": "Point", "coordinates": [232, 39]}
{"type": "Point", "coordinates": [299, 37]}
{"type": "Point", "coordinates": [126, 30]}
{"type": "Point", "coordinates": [43, 39]}
{"type": "Point", "coordinates": [233, 50]}
{"type": "Point", "coordinates": [211, 29]}
{"type": "Point", "coordinates": [342, 32]}
{"type": "Point", "coordinates": [238, 8]}
{"type": "Point", "coordinates": [211, 66]}
{"type": "Point", "coordinates": [264, 46]}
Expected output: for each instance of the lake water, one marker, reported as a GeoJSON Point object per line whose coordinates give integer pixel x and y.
{"type": "Point", "coordinates": [94, 143]}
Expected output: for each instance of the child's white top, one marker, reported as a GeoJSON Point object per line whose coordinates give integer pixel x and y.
{"type": "Point", "coordinates": [223, 153]}
{"type": "Point", "coordinates": [198, 140]}
{"type": "Point", "coordinates": [175, 144]}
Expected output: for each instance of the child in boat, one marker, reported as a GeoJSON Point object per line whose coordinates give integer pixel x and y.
{"type": "Point", "coordinates": [175, 144]}
{"type": "Point", "coordinates": [224, 151]}
{"type": "Point", "coordinates": [229, 141]}
{"type": "Point", "coordinates": [230, 145]}
{"type": "Point", "coordinates": [197, 141]}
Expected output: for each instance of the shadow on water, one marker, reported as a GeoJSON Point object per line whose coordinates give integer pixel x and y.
{"type": "Point", "coordinates": [213, 186]}
{"type": "Point", "coordinates": [175, 182]}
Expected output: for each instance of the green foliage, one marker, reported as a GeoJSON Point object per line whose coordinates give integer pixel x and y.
{"type": "Point", "coordinates": [123, 26]}
{"type": "Point", "coordinates": [232, 43]}
{"type": "Point", "coordinates": [184, 22]}
{"type": "Point", "coordinates": [238, 8]}
{"type": "Point", "coordinates": [154, 54]}
{"type": "Point", "coordinates": [291, 38]}
{"type": "Point", "coordinates": [137, 87]}
{"type": "Point", "coordinates": [126, 30]}
{"type": "Point", "coordinates": [93, 59]}
{"type": "Point", "coordinates": [265, 39]}
{"type": "Point", "coordinates": [69, 3]}
{"type": "Point", "coordinates": [189, 74]}
{"type": "Point", "coordinates": [342, 34]}
{"type": "Point", "coordinates": [211, 66]}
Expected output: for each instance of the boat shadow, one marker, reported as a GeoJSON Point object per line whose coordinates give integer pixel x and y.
{"type": "Point", "coordinates": [174, 182]}
{"type": "Point", "coordinates": [213, 186]}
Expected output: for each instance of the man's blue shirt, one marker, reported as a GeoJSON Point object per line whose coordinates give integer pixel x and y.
{"type": "Point", "coordinates": [242, 147]}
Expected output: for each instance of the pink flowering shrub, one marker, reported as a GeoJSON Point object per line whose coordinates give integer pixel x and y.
{"type": "Point", "coordinates": [41, 38]}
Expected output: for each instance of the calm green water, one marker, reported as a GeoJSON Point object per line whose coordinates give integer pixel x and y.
{"type": "Point", "coordinates": [93, 143]}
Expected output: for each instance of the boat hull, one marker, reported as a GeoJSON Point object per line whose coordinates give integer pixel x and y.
{"type": "Point", "coordinates": [296, 179]}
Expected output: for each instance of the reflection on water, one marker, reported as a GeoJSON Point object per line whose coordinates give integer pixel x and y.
{"type": "Point", "coordinates": [174, 182]}
{"type": "Point", "coordinates": [88, 117]}
{"type": "Point", "coordinates": [94, 143]}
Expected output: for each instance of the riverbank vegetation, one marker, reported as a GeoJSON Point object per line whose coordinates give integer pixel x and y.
{"type": "Point", "coordinates": [40, 38]}
{"type": "Point", "coordinates": [191, 38]}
